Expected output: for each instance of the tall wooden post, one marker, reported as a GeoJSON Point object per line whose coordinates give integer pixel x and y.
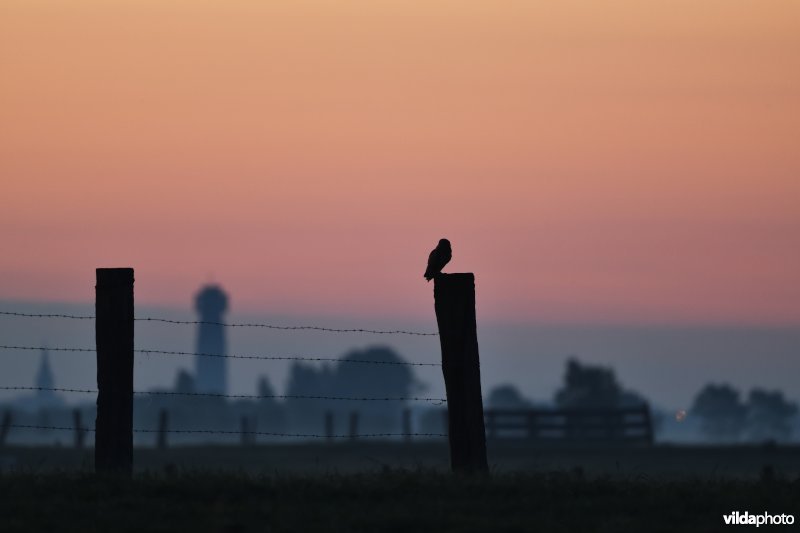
{"type": "Point", "coordinates": [113, 449]}
{"type": "Point", "coordinates": [329, 426]}
{"type": "Point", "coordinates": [245, 430]}
{"type": "Point", "coordinates": [454, 296]}
{"type": "Point", "coordinates": [163, 429]}
{"type": "Point", "coordinates": [79, 431]}
{"type": "Point", "coordinates": [353, 425]}
{"type": "Point", "coordinates": [407, 425]}
{"type": "Point", "coordinates": [5, 427]}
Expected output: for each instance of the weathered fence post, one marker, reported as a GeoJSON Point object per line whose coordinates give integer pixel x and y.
{"type": "Point", "coordinates": [113, 450]}
{"type": "Point", "coordinates": [163, 430]}
{"type": "Point", "coordinates": [329, 425]}
{"type": "Point", "coordinates": [79, 432]}
{"type": "Point", "coordinates": [648, 424]}
{"type": "Point", "coordinates": [407, 425]}
{"type": "Point", "coordinates": [454, 296]}
{"type": "Point", "coordinates": [353, 425]}
{"type": "Point", "coordinates": [491, 423]}
{"type": "Point", "coordinates": [245, 430]}
{"type": "Point", "coordinates": [533, 425]}
{"type": "Point", "coordinates": [5, 427]}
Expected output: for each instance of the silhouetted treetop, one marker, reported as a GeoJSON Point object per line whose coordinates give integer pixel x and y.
{"type": "Point", "coordinates": [721, 411]}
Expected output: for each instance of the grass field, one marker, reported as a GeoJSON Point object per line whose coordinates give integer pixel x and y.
{"type": "Point", "coordinates": [381, 486]}
{"type": "Point", "coordinates": [394, 501]}
{"type": "Point", "coordinates": [659, 462]}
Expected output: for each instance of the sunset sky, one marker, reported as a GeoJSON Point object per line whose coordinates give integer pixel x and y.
{"type": "Point", "coordinates": [592, 162]}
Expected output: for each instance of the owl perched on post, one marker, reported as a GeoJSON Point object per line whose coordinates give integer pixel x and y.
{"type": "Point", "coordinates": [439, 257]}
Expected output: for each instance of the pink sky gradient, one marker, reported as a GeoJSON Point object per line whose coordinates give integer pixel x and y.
{"type": "Point", "coordinates": [629, 162]}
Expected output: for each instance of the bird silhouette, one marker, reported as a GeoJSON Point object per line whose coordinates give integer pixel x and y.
{"type": "Point", "coordinates": [439, 257]}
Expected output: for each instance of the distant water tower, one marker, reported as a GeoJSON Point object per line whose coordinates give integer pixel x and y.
{"type": "Point", "coordinates": [211, 372]}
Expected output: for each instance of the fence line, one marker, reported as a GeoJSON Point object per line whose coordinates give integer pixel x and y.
{"type": "Point", "coordinates": [237, 325]}
{"type": "Point", "coordinates": [272, 326]}
{"type": "Point", "coordinates": [289, 358]}
{"type": "Point", "coordinates": [437, 401]}
{"type": "Point", "coordinates": [39, 348]}
{"type": "Point", "coordinates": [226, 356]}
{"type": "Point", "coordinates": [51, 315]}
{"type": "Point", "coordinates": [243, 432]}
{"type": "Point", "coordinates": [233, 432]}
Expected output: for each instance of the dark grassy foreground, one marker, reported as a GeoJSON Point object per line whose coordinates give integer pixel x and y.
{"type": "Point", "coordinates": [660, 462]}
{"type": "Point", "coordinates": [402, 501]}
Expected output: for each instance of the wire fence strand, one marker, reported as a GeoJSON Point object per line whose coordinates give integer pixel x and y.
{"type": "Point", "coordinates": [292, 328]}
{"type": "Point", "coordinates": [49, 389]}
{"type": "Point", "coordinates": [234, 432]}
{"type": "Point", "coordinates": [287, 358]}
{"type": "Point", "coordinates": [234, 325]}
{"type": "Point", "coordinates": [48, 315]}
{"type": "Point", "coordinates": [49, 349]}
{"type": "Point", "coordinates": [230, 356]}
{"type": "Point", "coordinates": [437, 401]}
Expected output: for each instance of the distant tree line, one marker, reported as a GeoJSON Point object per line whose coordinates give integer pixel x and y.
{"type": "Point", "coordinates": [722, 413]}
{"type": "Point", "coordinates": [725, 417]}
{"type": "Point", "coordinates": [296, 413]}
{"type": "Point", "coordinates": [585, 386]}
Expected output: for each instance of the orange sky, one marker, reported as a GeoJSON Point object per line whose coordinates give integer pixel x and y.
{"type": "Point", "coordinates": [619, 161]}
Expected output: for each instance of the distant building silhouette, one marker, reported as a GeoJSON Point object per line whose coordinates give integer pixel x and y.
{"type": "Point", "coordinates": [44, 398]}
{"type": "Point", "coordinates": [211, 372]}
{"type": "Point", "coordinates": [44, 377]}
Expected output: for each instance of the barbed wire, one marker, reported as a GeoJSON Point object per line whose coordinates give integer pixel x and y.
{"type": "Point", "coordinates": [287, 358]}
{"type": "Point", "coordinates": [233, 432]}
{"type": "Point", "coordinates": [230, 356]}
{"type": "Point", "coordinates": [437, 401]}
{"type": "Point", "coordinates": [234, 325]}
{"type": "Point", "coordinates": [272, 326]}
{"type": "Point", "coordinates": [49, 315]}
{"type": "Point", "coordinates": [294, 397]}
{"type": "Point", "coordinates": [39, 348]}
{"type": "Point", "coordinates": [49, 389]}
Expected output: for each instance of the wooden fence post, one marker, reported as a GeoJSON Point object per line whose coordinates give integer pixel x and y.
{"type": "Point", "coordinates": [245, 431]}
{"type": "Point", "coordinates": [163, 430]}
{"type": "Point", "coordinates": [329, 425]}
{"type": "Point", "coordinates": [533, 425]}
{"type": "Point", "coordinates": [491, 424]}
{"type": "Point", "coordinates": [79, 431]}
{"type": "Point", "coordinates": [353, 425]}
{"type": "Point", "coordinates": [407, 425]}
{"type": "Point", "coordinates": [113, 449]}
{"type": "Point", "coordinates": [454, 297]}
{"type": "Point", "coordinates": [648, 424]}
{"type": "Point", "coordinates": [5, 427]}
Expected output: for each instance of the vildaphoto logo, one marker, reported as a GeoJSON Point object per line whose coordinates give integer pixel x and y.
{"type": "Point", "coordinates": [764, 519]}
